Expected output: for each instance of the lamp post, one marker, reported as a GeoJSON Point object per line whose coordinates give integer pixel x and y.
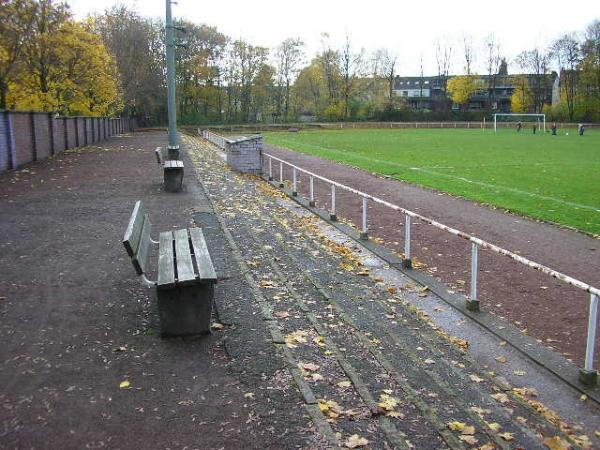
{"type": "Point", "coordinates": [170, 44]}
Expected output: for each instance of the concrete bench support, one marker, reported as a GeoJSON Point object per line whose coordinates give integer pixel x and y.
{"type": "Point", "coordinates": [173, 175]}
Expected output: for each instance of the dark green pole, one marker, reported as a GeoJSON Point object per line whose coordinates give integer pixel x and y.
{"type": "Point", "coordinates": [170, 44]}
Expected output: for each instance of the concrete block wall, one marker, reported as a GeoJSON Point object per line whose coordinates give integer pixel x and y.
{"type": "Point", "coordinates": [244, 153]}
{"type": "Point", "coordinates": [28, 136]}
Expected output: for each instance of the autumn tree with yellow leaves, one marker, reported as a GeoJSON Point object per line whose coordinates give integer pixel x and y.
{"type": "Point", "coordinates": [59, 64]}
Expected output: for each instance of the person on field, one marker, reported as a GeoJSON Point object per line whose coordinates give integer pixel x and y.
{"type": "Point", "coordinates": [581, 129]}
{"type": "Point", "coordinates": [554, 129]}
{"type": "Point", "coordinates": [534, 129]}
{"type": "Point", "coordinates": [519, 126]}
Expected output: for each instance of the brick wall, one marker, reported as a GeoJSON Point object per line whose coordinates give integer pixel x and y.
{"type": "Point", "coordinates": [244, 153]}
{"type": "Point", "coordinates": [27, 137]}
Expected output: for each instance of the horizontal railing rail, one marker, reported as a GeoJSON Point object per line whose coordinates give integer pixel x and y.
{"type": "Point", "coordinates": [473, 301]}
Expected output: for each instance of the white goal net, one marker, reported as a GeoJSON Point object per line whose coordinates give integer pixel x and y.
{"type": "Point", "coordinates": [513, 120]}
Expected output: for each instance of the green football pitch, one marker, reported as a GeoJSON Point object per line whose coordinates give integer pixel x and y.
{"type": "Point", "coordinates": [554, 178]}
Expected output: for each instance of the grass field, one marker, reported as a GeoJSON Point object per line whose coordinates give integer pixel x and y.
{"type": "Point", "coordinates": [554, 178]}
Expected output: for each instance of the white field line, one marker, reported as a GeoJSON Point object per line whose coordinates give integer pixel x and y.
{"type": "Point", "coordinates": [465, 180]}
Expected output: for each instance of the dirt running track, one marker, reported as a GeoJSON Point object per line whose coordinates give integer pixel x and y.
{"type": "Point", "coordinates": [542, 306]}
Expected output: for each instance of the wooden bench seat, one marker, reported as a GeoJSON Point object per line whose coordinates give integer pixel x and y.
{"type": "Point", "coordinates": [186, 276]}
{"type": "Point", "coordinates": [172, 169]}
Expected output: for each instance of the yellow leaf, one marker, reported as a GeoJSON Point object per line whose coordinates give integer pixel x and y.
{"type": "Point", "coordinates": [429, 361]}
{"type": "Point", "coordinates": [583, 397]}
{"type": "Point", "coordinates": [507, 436]}
{"type": "Point", "coordinates": [249, 395]}
{"type": "Point", "coordinates": [344, 384]}
{"type": "Point", "coordinates": [124, 384]}
{"type": "Point", "coordinates": [456, 426]}
{"type": "Point", "coordinates": [502, 398]}
{"type": "Point", "coordinates": [469, 429]}
{"type": "Point", "coordinates": [356, 441]}
{"type": "Point", "coordinates": [519, 373]}
{"type": "Point", "coordinates": [475, 378]}
{"type": "Point", "coordinates": [387, 402]}
{"type": "Point", "coordinates": [320, 341]}
{"type": "Point", "coordinates": [556, 443]}
{"type": "Point", "coordinates": [309, 366]}
{"type": "Point", "coordinates": [487, 446]}
{"type": "Point", "coordinates": [471, 440]}
{"type": "Point", "coordinates": [501, 359]}
{"type": "Point", "coordinates": [281, 314]}
{"type": "Point", "coordinates": [494, 426]}
{"type": "Point", "coordinates": [479, 410]}
{"type": "Point", "coordinates": [216, 326]}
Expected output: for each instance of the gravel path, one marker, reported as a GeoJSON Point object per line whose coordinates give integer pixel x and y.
{"type": "Point", "coordinates": [541, 306]}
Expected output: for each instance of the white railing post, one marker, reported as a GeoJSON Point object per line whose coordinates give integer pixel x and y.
{"type": "Point", "coordinates": [312, 192]}
{"type": "Point", "coordinates": [588, 374]}
{"type": "Point", "coordinates": [364, 234]}
{"type": "Point", "coordinates": [281, 174]}
{"type": "Point", "coordinates": [407, 261]}
{"type": "Point", "coordinates": [332, 214]}
{"type": "Point", "coordinates": [294, 183]}
{"type": "Point", "coordinates": [473, 302]}
{"type": "Point", "coordinates": [270, 169]}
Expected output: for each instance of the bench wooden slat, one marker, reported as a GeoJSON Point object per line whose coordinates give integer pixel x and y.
{"type": "Point", "coordinates": [206, 271]}
{"type": "Point", "coordinates": [185, 268]}
{"type": "Point", "coordinates": [140, 258]}
{"type": "Point", "coordinates": [173, 164]}
{"type": "Point", "coordinates": [166, 267]}
{"type": "Point", "coordinates": [133, 233]}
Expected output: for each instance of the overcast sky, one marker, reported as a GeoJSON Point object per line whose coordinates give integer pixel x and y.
{"type": "Point", "coordinates": [409, 29]}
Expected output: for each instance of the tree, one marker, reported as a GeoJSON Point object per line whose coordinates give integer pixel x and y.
{"type": "Point", "coordinates": [289, 55]}
{"type": "Point", "coordinates": [566, 53]}
{"type": "Point", "coordinates": [462, 87]}
{"type": "Point", "coordinates": [522, 100]}
{"type": "Point", "coordinates": [137, 44]}
{"type": "Point", "coordinates": [589, 80]}
{"type": "Point", "coordinates": [80, 80]}
{"type": "Point", "coordinates": [443, 56]}
{"type": "Point", "coordinates": [468, 53]}
{"type": "Point", "coordinates": [350, 71]}
{"type": "Point", "coordinates": [493, 62]}
{"type": "Point", "coordinates": [16, 19]}
{"type": "Point", "coordinates": [310, 89]}
{"type": "Point", "coordinates": [535, 63]}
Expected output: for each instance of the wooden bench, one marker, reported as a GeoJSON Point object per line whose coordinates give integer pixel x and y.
{"type": "Point", "coordinates": [186, 276]}
{"type": "Point", "coordinates": [172, 169]}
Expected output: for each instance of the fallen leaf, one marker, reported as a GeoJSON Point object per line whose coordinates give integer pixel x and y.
{"type": "Point", "coordinates": [316, 377]}
{"type": "Point", "coordinates": [282, 314]}
{"type": "Point", "coordinates": [249, 395]}
{"type": "Point", "coordinates": [583, 397]}
{"type": "Point", "coordinates": [480, 411]}
{"type": "Point", "coordinates": [507, 436]}
{"type": "Point", "coordinates": [502, 398]}
{"type": "Point", "coordinates": [468, 430]}
{"type": "Point", "coordinates": [429, 361]}
{"type": "Point", "coordinates": [344, 384]}
{"type": "Point", "coordinates": [471, 440]}
{"type": "Point", "coordinates": [456, 426]}
{"type": "Point", "coordinates": [320, 341]}
{"type": "Point", "coordinates": [217, 326]}
{"type": "Point", "coordinates": [494, 426]}
{"type": "Point", "coordinates": [356, 441]}
{"type": "Point", "coordinates": [501, 359]}
{"type": "Point", "coordinates": [475, 378]}
{"type": "Point", "coordinates": [519, 373]}
{"type": "Point", "coordinates": [387, 402]}
{"type": "Point", "coordinates": [309, 366]}
{"type": "Point", "coordinates": [124, 384]}
{"type": "Point", "coordinates": [556, 443]}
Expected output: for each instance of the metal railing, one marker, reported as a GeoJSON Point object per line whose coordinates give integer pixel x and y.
{"type": "Point", "coordinates": [476, 243]}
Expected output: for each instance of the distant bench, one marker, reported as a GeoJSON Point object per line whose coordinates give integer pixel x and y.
{"type": "Point", "coordinates": [172, 169]}
{"type": "Point", "coordinates": [186, 276]}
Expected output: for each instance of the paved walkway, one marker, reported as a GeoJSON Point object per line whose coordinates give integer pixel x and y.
{"type": "Point", "coordinates": [314, 349]}
{"type": "Point", "coordinates": [546, 308]}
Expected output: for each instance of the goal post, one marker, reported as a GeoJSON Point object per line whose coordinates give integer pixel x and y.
{"type": "Point", "coordinates": [540, 119]}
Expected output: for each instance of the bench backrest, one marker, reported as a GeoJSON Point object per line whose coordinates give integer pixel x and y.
{"type": "Point", "coordinates": [137, 238]}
